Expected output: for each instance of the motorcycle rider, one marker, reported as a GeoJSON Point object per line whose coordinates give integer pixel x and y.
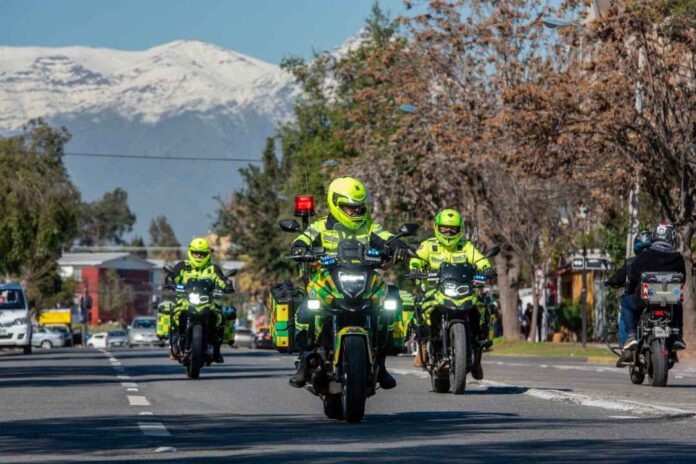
{"type": "Point", "coordinates": [642, 241]}
{"type": "Point", "coordinates": [348, 218]}
{"type": "Point", "coordinates": [449, 246]}
{"type": "Point", "coordinates": [660, 257]}
{"type": "Point", "coordinates": [199, 266]}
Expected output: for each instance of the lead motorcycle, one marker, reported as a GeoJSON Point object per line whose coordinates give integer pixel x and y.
{"type": "Point", "coordinates": [195, 333]}
{"type": "Point", "coordinates": [448, 348]}
{"type": "Point", "coordinates": [661, 293]}
{"type": "Point", "coordinates": [353, 305]}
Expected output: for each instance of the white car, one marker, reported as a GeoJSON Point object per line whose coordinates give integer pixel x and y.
{"type": "Point", "coordinates": [116, 338]}
{"type": "Point", "coordinates": [15, 318]}
{"type": "Point", "coordinates": [97, 340]}
{"type": "Point", "coordinates": [47, 338]}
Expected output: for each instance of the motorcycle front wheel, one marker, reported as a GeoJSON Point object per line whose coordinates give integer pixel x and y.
{"type": "Point", "coordinates": [458, 358]}
{"type": "Point", "coordinates": [193, 368]}
{"type": "Point", "coordinates": [354, 369]}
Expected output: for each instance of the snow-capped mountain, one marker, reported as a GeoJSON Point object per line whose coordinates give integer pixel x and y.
{"type": "Point", "coordinates": [182, 98]}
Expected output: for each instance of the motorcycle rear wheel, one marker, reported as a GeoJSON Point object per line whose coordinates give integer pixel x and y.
{"type": "Point", "coordinates": [354, 369]}
{"type": "Point", "coordinates": [659, 361]}
{"type": "Point", "coordinates": [193, 368]}
{"type": "Point", "coordinates": [459, 358]}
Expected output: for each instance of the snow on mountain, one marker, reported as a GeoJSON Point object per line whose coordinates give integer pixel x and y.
{"type": "Point", "coordinates": [171, 78]}
{"type": "Point", "coordinates": [181, 98]}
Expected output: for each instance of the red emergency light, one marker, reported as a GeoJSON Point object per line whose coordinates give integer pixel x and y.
{"type": "Point", "coordinates": [304, 205]}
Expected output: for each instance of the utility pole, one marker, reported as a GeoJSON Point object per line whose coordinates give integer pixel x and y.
{"type": "Point", "coordinates": [583, 296]}
{"type": "Point", "coordinates": [633, 219]}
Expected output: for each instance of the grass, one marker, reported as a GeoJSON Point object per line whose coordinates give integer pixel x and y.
{"type": "Point", "coordinates": [521, 348]}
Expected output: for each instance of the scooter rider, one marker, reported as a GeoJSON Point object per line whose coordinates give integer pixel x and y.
{"type": "Point", "coordinates": [348, 218]}
{"type": "Point", "coordinates": [642, 241]}
{"type": "Point", "coordinates": [660, 257]}
{"type": "Point", "coordinates": [199, 266]}
{"type": "Point", "coordinates": [449, 246]}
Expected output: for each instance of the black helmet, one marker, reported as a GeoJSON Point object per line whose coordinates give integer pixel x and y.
{"type": "Point", "coordinates": [642, 241]}
{"type": "Point", "coordinates": [665, 232]}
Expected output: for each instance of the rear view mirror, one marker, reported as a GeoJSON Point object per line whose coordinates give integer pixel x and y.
{"type": "Point", "coordinates": [407, 230]}
{"type": "Point", "coordinates": [232, 272]}
{"type": "Point", "coordinates": [495, 251]}
{"type": "Point", "coordinates": [168, 269]}
{"type": "Point", "coordinates": [290, 225]}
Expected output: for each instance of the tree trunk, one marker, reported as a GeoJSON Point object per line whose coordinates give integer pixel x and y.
{"type": "Point", "coordinates": [535, 305]}
{"type": "Point", "coordinates": [508, 265]}
{"type": "Point", "coordinates": [689, 288]}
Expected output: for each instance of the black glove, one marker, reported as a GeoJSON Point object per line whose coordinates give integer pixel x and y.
{"type": "Point", "coordinates": [489, 273]}
{"type": "Point", "coordinates": [398, 250]}
{"type": "Point", "coordinates": [299, 248]}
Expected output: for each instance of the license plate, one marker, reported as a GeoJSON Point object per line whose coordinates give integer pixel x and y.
{"type": "Point", "coordinates": [662, 332]}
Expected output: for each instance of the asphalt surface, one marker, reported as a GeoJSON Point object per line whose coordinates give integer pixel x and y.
{"type": "Point", "coordinates": [133, 405]}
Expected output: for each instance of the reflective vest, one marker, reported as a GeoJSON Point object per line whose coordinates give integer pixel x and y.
{"type": "Point", "coordinates": [432, 254]}
{"type": "Point", "coordinates": [327, 233]}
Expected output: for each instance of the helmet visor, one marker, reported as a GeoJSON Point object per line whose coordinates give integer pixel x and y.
{"type": "Point", "coordinates": [449, 231]}
{"type": "Point", "coordinates": [200, 254]}
{"type": "Point", "coordinates": [354, 210]}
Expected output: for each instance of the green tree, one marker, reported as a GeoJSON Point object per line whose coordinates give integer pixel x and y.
{"type": "Point", "coordinates": [107, 220]}
{"type": "Point", "coordinates": [115, 297]}
{"type": "Point", "coordinates": [162, 235]}
{"type": "Point", "coordinates": [250, 219]}
{"type": "Point", "coordinates": [40, 207]}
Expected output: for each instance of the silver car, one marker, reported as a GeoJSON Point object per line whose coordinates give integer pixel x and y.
{"type": "Point", "coordinates": [143, 331]}
{"type": "Point", "coordinates": [116, 338]}
{"type": "Point", "coordinates": [47, 338]}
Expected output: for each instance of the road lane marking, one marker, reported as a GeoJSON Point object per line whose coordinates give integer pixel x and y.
{"type": "Point", "coordinates": [138, 401]}
{"type": "Point", "coordinates": [421, 374]}
{"type": "Point", "coordinates": [145, 413]}
{"type": "Point", "coordinates": [129, 384]}
{"type": "Point", "coordinates": [624, 417]}
{"type": "Point", "coordinates": [123, 377]}
{"type": "Point", "coordinates": [154, 429]}
{"type": "Point", "coordinates": [112, 359]}
{"type": "Point", "coordinates": [165, 449]}
{"type": "Point", "coordinates": [132, 390]}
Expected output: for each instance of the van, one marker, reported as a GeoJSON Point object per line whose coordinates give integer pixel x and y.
{"type": "Point", "coordinates": [15, 318]}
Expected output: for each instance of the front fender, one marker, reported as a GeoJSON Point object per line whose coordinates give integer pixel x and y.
{"type": "Point", "coordinates": [350, 331]}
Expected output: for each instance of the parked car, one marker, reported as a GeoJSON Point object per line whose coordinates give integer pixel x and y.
{"type": "Point", "coordinates": [97, 340]}
{"type": "Point", "coordinates": [47, 338]}
{"type": "Point", "coordinates": [67, 333]}
{"type": "Point", "coordinates": [116, 338]}
{"type": "Point", "coordinates": [244, 337]}
{"type": "Point", "coordinates": [143, 331]}
{"type": "Point", "coordinates": [263, 338]}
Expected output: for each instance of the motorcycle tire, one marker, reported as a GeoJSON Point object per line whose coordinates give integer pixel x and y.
{"type": "Point", "coordinates": [659, 361]}
{"type": "Point", "coordinates": [459, 358]}
{"type": "Point", "coordinates": [637, 376]}
{"type": "Point", "coordinates": [193, 368]}
{"type": "Point", "coordinates": [333, 408]}
{"type": "Point", "coordinates": [354, 394]}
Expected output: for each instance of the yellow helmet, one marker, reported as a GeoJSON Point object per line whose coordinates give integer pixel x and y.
{"type": "Point", "coordinates": [347, 199]}
{"type": "Point", "coordinates": [448, 227]}
{"type": "Point", "coordinates": [199, 252]}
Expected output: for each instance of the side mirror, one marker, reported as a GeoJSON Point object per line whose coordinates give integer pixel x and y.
{"type": "Point", "coordinates": [495, 251]}
{"type": "Point", "coordinates": [168, 269]}
{"type": "Point", "coordinates": [232, 272]}
{"type": "Point", "coordinates": [407, 230]}
{"type": "Point", "coordinates": [290, 225]}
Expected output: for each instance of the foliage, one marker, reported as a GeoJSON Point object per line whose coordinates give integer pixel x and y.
{"type": "Point", "coordinates": [162, 235]}
{"type": "Point", "coordinates": [115, 296]}
{"type": "Point", "coordinates": [40, 207]}
{"type": "Point", "coordinates": [107, 220]}
{"type": "Point", "coordinates": [569, 315]}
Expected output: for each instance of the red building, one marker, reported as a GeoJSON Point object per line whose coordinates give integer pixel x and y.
{"type": "Point", "coordinates": [119, 284]}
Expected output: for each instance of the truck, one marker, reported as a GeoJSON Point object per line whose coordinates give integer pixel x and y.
{"type": "Point", "coordinates": [60, 319]}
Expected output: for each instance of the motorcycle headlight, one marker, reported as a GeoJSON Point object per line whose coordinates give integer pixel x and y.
{"type": "Point", "coordinates": [453, 290]}
{"type": "Point", "coordinates": [313, 305]}
{"type": "Point", "coordinates": [196, 298]}
{"type": "Point", "coordinates": [352, 283]}
{"type": "Point", "coordinates": [391, 305]}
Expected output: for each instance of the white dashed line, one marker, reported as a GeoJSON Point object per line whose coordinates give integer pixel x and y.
{"type": "Point", "coordinates": [129, 384]}
{"type": "Point", "coordinates": [145, 413]}
{"type": "Point", "coordinates": [154, 429]}
{"type": "Point", "coordinates": [165, 449]}
{"type": "Point", "coordinates": [123, 377]}
{"type": "Point", "coordinates": [133, 390]}
{"type": "Point", "coordinates": [138, 401]}
{"type": "Point", "coordinates": [623, 417]}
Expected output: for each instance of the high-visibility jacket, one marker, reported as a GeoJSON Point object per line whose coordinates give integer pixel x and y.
{"type": "Point", "coordinates": [327, 232]}
{"type": "Point", "coordinates": [431, 255]}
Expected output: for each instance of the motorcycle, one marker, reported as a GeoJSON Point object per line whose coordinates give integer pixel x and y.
{"type": "Point", "coordinates": [354, 304]}
{"type": "Point", "coordinates": [448, 348]}
{"type": "Point", "coordinates": [654, 355]}
{"type": "Point", "coordinates": [194, 336]}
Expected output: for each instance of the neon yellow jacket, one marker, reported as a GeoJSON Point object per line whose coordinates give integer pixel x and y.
{"type": "Point", "coordinates": [327, 232]}
{"type": "Point", "coordinates": [431, 255]}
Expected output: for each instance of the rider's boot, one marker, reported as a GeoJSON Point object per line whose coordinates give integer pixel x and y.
{"type": "Point", "coordinates": [477, 372]}
{"type": "Point", "coordinates": [217, 356]}
{"type": "Point", "coordinates": [385, 379]}
{"type": "Point", "coordinates": [299, 378]}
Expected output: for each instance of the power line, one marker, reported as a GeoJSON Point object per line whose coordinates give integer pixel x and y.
{"type": "Point", "coordinates": [161, 157]}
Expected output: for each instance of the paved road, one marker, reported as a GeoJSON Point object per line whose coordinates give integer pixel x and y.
{"type": "Point", "coordinates": [135, 406]}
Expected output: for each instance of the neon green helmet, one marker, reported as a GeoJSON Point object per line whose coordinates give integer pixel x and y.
{"type": "Point", "coordinates": [347, 199]}
{"type": "Point", "coordinates": [448, 227]}
{"type": "Point", "coordinates": [199, 252]}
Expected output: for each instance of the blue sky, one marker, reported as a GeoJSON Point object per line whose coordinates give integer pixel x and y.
{"type": "Point", "coordinates": [265, 29]}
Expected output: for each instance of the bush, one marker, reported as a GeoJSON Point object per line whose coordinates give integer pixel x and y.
{"type": "Point", "coordinates": [569, 315]}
